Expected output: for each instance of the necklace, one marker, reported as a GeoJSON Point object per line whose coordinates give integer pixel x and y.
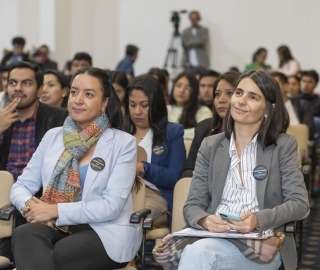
{"type": "Point", "coordinates": [138, 136]}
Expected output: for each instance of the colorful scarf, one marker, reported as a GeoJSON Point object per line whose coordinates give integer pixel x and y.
{"type": "Point", "coordinates": [64, 185]}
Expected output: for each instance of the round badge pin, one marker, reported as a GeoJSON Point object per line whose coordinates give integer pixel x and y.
{"type": "Point", "coordinates": [260, 172]}
{"type": "Point", "coordinates": [97, 164]}
{"type": "Point", "coordinates": [158, 150]}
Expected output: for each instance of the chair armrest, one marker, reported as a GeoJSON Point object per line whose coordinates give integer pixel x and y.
{"type": "Point", "coordinates": [7, 211]}
{"type": "Point", "coordinates": [137, 216]}
{"type": "Point", "coordinates": [290, 227]}
{"type": "Point", "coordinates": [151, 218]}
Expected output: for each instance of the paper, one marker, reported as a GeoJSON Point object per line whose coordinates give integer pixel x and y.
{"type": "Point", "coordinates": [231, 234]}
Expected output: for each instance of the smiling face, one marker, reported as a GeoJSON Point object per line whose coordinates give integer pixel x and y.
{"type": "Point", "coordinates": [52, 93]}
{"type": "Point", "coordinates": [22, 84]}
{"type": "Point", "coordinates": [139, 108]}
{"type": "Point", "coordinates": [248, 104]}
{"type": "Point", "coordinates": [86, 101]}
{"type": "Point", "coordinates": [222, 97]}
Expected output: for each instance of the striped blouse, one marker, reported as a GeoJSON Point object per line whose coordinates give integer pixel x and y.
{"type": "Point", "coordinates": [237, 197]}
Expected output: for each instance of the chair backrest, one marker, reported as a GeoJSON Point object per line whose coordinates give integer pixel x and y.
{"type": "Point", "coordinates": [301, 133]}
{"type": "Point", "coordinates": [180, 195]}
{"type": "Point", "coordinates": [6, 182]}
{"type": "Point", "coordinates": [139, 197]}
{"type": "Point", "coordinates": [187, 145]}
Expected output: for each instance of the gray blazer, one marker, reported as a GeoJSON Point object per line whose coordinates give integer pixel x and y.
{"type": "Point", "coordinates": [282, 195]}
{"type": "Point", "coordinates": [197, 42]}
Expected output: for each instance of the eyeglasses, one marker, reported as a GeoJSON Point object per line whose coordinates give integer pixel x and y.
{"type": "Point", "coordinates": [184, 87]}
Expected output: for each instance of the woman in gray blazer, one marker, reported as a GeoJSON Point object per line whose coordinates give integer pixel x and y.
{"type": "Point", "coordinates": [226, 178]}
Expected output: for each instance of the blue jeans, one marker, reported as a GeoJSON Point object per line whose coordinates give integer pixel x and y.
{"type": "Point", "coordinates": [217, 253]}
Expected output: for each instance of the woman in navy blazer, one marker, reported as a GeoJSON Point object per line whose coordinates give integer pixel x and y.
{"type": "Point", "coordinates": [146, 118]}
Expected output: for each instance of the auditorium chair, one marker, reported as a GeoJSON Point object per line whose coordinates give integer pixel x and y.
{"type": "Point", "coordinates": [180, 195]}
{"type": "Point", "coordinates": [6, 212]}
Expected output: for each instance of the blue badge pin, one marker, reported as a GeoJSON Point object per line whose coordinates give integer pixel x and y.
{"type": "Point", "coordinates": [260, 172]}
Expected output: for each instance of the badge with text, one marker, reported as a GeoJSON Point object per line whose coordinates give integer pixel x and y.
{"type": "Point", "coordinates": [158, 150]}
{"type": "Point", "coordinates": [97, 164]}
{"type": "Point", "coordinates": [260, 172]}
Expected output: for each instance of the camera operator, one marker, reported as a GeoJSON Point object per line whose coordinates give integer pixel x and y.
{"type": "Point", "coordinates": [194, 41]}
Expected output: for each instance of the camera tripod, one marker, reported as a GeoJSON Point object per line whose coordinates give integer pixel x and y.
{"type": "Point", "coordinates": [171, 58]}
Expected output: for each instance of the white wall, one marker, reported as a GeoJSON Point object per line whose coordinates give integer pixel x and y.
{"type": "Point", "coordinates": [104, 27]}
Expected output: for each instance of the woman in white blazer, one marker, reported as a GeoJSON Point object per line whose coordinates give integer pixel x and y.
{"type": "Point", "coordinates": [87, 169]}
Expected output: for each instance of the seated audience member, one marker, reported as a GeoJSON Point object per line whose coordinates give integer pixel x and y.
{"type": "Point", "coordinates": [184, 107]}
{"type": "Point", "coordinates": [4, 98]}
{"type": "Point", "coordinates": [298, 109]}
{"type": "Point", "coordinates": [287, 64]}
{"type": "Point", "coordinates": [126, 64]}
{"type": "Point", "coordinates": [55, 90]}
{"type": "Point", "coordinates": [120, 83]}
{"type": "Point", "coordinates": [146, 118]}
{"type": "Point", "coordinates": [42, 59]}
{"type": "Point", "coordinates": [206, 82]}
{"type": "Point", "coordinates": [17, 54]}
{"type": "Point", "coordinates": [294, 86]}
{"type": "Point", "coordinates": [87, 169]}
{"type": "Point", "coordinates": [222, 91]}
{"type": "Point", "coordinates": [224, 179]}
{"type": "Point", "coordinates": [258, 61]}
{"type": "Point", "coordinates": [23, 123]}
{"type": "Point", "coordinates": [79, 61]}
{"type": "Point", "coordinates": [308, 83]}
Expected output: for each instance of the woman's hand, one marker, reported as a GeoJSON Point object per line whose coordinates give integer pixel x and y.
{"type": "Point", "coordinates": [247, 224]}
{"type": "Point", "coordinates": [40, 212]}
{"type": "Point", "coordinates": [214, 223]}
{"type": "Point", "coordinates": [139, 168]}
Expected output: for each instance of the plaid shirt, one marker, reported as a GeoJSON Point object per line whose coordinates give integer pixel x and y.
{"type": "Point", "coordinates": [22, 145]}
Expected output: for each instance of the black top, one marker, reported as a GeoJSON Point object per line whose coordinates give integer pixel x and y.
{"type": "Point", "coordinates": [201, 131]}
{"type": "Point", "coordinates": [4, 60]}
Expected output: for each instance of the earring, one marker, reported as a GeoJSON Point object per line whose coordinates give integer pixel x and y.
{"type": "Point", "coordinates": [265, 116]}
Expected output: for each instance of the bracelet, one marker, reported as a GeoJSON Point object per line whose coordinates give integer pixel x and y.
{"type": "Point", "coordinates": [25, 205]}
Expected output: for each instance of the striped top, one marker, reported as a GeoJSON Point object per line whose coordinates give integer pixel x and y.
{"type": "Point", "coordinates": [237, 197]}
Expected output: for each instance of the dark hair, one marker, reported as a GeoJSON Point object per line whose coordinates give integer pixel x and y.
{"type": "Point", "coordinates": [19, 41]}
{"type": "Point", "coordinates": [284, 51]}
{"type": "Point", "coordinates": [83, 56]}
{"type": "Point", "coordinates": [131, 50]}
{"type": "Point", "coordinates": [120, 78]}
{"type": "Point", "coordinates": [161, 76]}
{"type": "Point", "coordinates": [113, 109]}
{"type": "Point", "coordinates": [63, 81]}
{"type": "Point", "coordinates": [297, 78]}
{"type": "Point", "coordinates": [157, 116]}
{"type": "Point", "coordinates": [277, 120]}
{"type": "Point", "coordinates": [283, 78]}
{"type": "Point", "coordinates": [38, 74]}
{"type": "Point", "coordinates": [4, 68]}
{"type": "Point", "coordinates": [258, 52]}
{"type": "Point", "coordinates": [311, 73]}
{"type": "Point", "coordinates": [166, 72]}
{"type": "Point", "coordinates": [209, 73]}
{"type": "Point", "coordinates": [233, 68]}
{"type": "Point", "coordinates": [188, 119]}
{"type": "Point", "coordinates": [230, 77]}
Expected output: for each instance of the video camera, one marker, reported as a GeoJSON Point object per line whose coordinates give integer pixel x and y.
{"type": "Point", "coordinates": [175, 18]}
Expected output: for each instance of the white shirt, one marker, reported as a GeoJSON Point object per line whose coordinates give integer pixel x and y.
{"type": "Point", "coordinates": [235, 197]}
{"type": "Point", "coordinates": [175, 112]}
{"type": "Point", "coordinates": [146, 144]}
{"type": "Point", "coordinates": [292, 114]}
{"type": "Point", "coordinates": [193, 58]}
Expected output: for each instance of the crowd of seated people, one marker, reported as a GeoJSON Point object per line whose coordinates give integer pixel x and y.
{"type": "Point", "coordinates": [98, 110]}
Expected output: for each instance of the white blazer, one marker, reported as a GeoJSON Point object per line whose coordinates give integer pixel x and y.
{"type": "Point", "coordinates": [106, 203]}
